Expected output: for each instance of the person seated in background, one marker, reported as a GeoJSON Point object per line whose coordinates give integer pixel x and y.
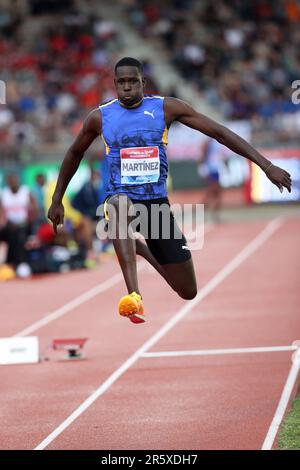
{"type": "Point", "coordinates": [87, 199]}
{"type": "Point", "coordinates": [81, 225]}
{"type": "Point", "coordinates": [209, 169]}
{"type": "Point", "coordinates": [39, 194]}
{"type": "Point", "coordinates": [18, 210]}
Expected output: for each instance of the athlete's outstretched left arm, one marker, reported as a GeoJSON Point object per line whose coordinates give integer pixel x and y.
{"type": "Point", "coordinates": [91, 128]}
{"type": "Point", "coordinates": [177, 110]}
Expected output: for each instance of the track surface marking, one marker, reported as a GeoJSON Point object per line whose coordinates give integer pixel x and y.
{"type": "Point", "coordinates": [183, 402]}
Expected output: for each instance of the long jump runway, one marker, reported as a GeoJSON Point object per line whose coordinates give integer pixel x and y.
{"type": "Point", "coordinates": [202, 374]}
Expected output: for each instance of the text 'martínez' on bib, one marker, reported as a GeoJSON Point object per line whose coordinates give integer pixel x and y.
{"type": "Point", "coordinates": [139, 165]}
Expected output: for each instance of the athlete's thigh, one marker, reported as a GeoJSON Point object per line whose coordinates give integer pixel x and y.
{"type": "Point", "coordinates": [182, 278]}
{"type": "Point", "coordinates": [168, 245]}
{"type": "Point", "coordinates": [116, 213]}
{"type": "Point", "coordinates": [175, 257]}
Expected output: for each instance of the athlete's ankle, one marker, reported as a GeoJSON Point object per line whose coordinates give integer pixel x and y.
{"type": "Point", "coordinates": [135, 292]}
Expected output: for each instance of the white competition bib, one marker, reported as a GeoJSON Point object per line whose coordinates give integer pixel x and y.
{"type": "Point", "coordinates": [140, 165]}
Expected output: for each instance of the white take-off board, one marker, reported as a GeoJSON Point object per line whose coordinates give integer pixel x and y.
{"type": "Point", "coordinates": [19, 350]}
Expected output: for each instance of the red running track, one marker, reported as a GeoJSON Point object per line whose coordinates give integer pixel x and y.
{"type": "Point", "coordinates": [212, 402]}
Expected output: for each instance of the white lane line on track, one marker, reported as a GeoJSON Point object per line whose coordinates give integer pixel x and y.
{"type": "Point", "coordinates": [91, 293]}
{"type": "Point", "coordinates": [81, 299]}
{"type": "Point", "coordinates": [283, 403]}
{"type": "Point", "coordinates": [207, 289]}
{"type": "Point", "coordinates": [219, 352]}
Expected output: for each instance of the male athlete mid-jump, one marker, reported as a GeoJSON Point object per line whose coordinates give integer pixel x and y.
{"type": "Point", "coordinates": [135, 126]}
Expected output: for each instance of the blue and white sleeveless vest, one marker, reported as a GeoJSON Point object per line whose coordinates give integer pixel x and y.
{"type": "Point", "coordinates": [135, 142]}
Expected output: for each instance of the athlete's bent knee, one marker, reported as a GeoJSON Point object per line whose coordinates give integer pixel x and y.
{"type": "Point", "coordinates": [188, 294]}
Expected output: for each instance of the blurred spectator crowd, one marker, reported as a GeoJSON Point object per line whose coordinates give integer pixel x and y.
{"type": "Point", "coordinates": [243, 55]}
{"type": "Point", "coordinates": [53, 77]}
{"type": "Point", "coordinates": [56, 68]}
{"type": "Point", "coordinates": [57, 61]}
{"type": "Point", "coordinates": [28, 243]}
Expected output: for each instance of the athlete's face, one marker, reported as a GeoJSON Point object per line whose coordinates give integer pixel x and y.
{"type": "Point", "coordinates": [129, 84]}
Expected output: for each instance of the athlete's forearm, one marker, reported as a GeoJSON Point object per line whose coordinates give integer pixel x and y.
{"type": "Point", "coordinates": [240, 146]}
{"type": "Point", "coordinates": [68, 169]}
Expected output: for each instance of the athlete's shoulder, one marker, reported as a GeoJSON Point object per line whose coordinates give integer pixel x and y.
{"type": "Point", "coordinates": [174, 102]}
{"type": "Point", "coordinates": [174, 108]}
{"type": "Point", "coordinates": [108, 103]}
{"type": "Point", "coordinates": [152, 97]}
{"type": "Point", "coordinates": [93, 122]}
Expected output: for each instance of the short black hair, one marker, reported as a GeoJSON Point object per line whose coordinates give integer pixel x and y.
{"type": "Point", "coordinates": [131, 62]}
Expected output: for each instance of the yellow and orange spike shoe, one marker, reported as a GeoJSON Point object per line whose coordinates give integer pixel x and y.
{"type": "Point", "coordinates": [131, 306]}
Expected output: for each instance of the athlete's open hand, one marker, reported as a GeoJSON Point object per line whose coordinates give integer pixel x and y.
{"type": "Point", "coordinates": [56, 215]}
{"type": "Point", "coordinates": [279, 177]}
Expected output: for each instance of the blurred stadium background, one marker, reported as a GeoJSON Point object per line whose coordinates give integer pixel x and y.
{"type": "Point", "coordinates": [234, 60]}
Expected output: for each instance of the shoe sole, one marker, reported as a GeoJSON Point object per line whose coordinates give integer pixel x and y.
{"type": "Point", "coordinates": [128, 308]}
{"type": "Point", "coordinates": [137, 318]}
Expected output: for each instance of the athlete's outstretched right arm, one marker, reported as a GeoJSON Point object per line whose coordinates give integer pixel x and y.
{"type": "Point", "coordinates": [177, 110]}
{"type": "Point", "coordinates": [92, 128]}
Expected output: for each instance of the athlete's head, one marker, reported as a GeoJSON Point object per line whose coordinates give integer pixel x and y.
{"type": "Point", "coordinates": [129, 81]}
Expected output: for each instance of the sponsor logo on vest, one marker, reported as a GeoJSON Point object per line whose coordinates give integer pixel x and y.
{"type": "Point", "coordinates": [150, 114]}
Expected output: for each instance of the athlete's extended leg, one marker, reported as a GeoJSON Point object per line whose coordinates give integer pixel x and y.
{"type": "Point", "coordinates": [124, 244]}
{"type": "Point", "coordinates": [173, 258]}
{"type": "Point", "coordinates": [125, 247]}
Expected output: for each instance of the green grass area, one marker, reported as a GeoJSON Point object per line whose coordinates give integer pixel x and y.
{"type": "Point", "coordinates": [289, 434]}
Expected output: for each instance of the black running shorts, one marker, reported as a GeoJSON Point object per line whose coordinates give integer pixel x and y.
{"type": "Point", "coordinates": [163, 236]}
